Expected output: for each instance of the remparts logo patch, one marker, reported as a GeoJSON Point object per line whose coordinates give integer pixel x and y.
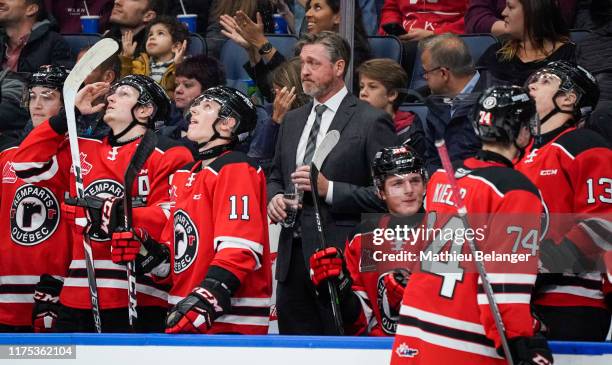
{"type": "Point", "coordinates": [186, 241]}
{"type": "Point", "coordinates": [35, 215]}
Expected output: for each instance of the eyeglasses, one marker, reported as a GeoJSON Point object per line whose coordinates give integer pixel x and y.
{"type": "Point", "coordinates": [425, 72]}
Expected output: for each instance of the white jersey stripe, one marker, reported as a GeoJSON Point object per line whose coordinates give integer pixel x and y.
{"type": "Point", "coordinates": [47, 175]}
{"type": "Point", "coordinates": [243, 320]}
{"type": "Point", "coordinates": [98, 264]}
{"type": "Point", "coordinates": [237, 302]}
{"type": "Point", "coordinates": [442, 320]}
{"type": "Point", "coordinates": [510, 278]}
{"type": "Point", "coordinates": [19, 279]}
{"type": "Point", "coordinates": [117, 284]}
{"type": "Point", "coordinates": [574, 290]}
{"type": "Point", "coordinates": [17, 298]}
{"type": "Point", "coordinates": [447, 342]}
{"type": "Point", "coordinates": [505, 298]}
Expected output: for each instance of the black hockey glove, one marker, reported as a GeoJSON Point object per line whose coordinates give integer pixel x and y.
{"type": "Point", "coordinates": [563, 258]}
{"type": "Point", "coordinates": [529, 350]}
{"type": "Point", "coordinates": [197, 312]}
{"type": "Point", "coordinates": [103, 214]}
{"type": "Point", "coordinates": [46, 303]}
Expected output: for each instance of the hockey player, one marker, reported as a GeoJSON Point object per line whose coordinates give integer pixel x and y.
{"type": "Point", "coordinates": [217, 235]}
{"type": "Point", "coordinates": [445, 316]}
{"type": "Point", "coordinates": [35, 251]}
{"type": "Point", "coordinates": [571, 167]}
{"type": "Point", "coordinates": [370, 299]}
{"type": "Point", "coordinates": [134, 104]}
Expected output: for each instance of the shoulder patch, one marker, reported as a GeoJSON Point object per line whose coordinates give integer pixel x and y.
{"type": "Point", "coordinates": [505, 179]}
{"type": "Point", "coordinates": [230, 158]}
{"type": "Point", "coordinates": [580, 140]}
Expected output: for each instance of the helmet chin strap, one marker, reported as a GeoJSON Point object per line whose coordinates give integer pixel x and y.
{"type": "Point", "coordinates": [115, 137]}
{"type": "Point", "coordinates": [216, 135]}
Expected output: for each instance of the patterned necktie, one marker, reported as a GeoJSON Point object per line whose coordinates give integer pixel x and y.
{"type": "Point", "coordinates": [311, 144]}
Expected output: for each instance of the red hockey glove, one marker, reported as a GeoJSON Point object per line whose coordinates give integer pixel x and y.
{"type": "Point", "coordinates": [529, 350]}
{"type": "Point", "coordinates": [197, 312]}
{"type": "Point", "coordinates": [329, 264]}
{"type": "Point", "coordinates": [46, 303]}
{"type": "Point", "coordinates": [125, 245]}
{"type": "Point", "coordinates": [395, 283]}
{"type": "Point", "coordinates": [150, 256]}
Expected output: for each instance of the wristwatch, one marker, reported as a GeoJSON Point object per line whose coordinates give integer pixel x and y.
{"type": "Point", "coordinates": [265, 49]}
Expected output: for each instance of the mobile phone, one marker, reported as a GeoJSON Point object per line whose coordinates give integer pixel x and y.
{"type": "Point", "coordinates": [395, 29]}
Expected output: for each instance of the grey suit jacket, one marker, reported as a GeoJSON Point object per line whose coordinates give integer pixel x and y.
{"type": "Point", "coordinates": [364, 130]}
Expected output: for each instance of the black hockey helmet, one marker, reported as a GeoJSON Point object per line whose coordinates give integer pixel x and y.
{"type": "Point", "coordinates": [573, 78]}
{"type": "Point", "coordinates": [501, 112]}
{"type": "Point", "coordinates": [397, 160]}
{"type": "Point", "coordinates": [150, 92]}
{"type": "Point", "coordinates": [233, 104]}
{"type": "Point", "coordinates": [49, 76]}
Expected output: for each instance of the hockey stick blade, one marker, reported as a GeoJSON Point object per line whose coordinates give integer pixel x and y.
{"type": "Point", "coordinates": [327, 145]}
{"type": "Point", "coordinates": [486, 283]}
{"type": "Point", "coordinates": [97, 54]}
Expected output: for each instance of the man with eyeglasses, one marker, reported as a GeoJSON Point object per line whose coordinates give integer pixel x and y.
{"type": "Point", "coordinates": [449, 72]}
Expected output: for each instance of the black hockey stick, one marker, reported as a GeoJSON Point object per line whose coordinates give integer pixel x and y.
{"type": "Point", "coordinates": [462, 211]}
{"type": "Point", "coordinates": [95, 56]}
{"type": "Point", "coordinates": [328, 143]}
{"type": "Point", "coordinates": [143, 151]}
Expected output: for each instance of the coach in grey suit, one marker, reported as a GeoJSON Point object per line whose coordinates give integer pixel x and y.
{"type": "Point", "coordinates": [344, 182]}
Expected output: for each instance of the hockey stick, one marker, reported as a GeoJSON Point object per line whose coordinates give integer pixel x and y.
{"type": "Point", "coordinates": [462, 211]}
{"type": "Point", "coordinates": [97, 54]}
{"type": "Point", "coordinates": [143, 151]}
{"type": "Point", "coordinates": [321, 153]}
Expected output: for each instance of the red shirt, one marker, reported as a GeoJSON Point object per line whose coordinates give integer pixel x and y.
{"type": "Point", "coordinates": [438, 16]}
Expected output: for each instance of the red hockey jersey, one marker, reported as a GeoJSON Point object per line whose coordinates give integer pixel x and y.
{"type": "Point", "coordinates": [445, 316]}
{"type": "Point", "coordinates": [44, 155]}
{"type": "Point", "coordinates": [219, 218]}
{"type": "Point", "coordinates": [36, 239]}
{"type": "Point", "coordinates": [378, 318]}
{"type": "Point", "coordinates": [438, 16]}
{"type": "Point", "coordinates": [572, 169]}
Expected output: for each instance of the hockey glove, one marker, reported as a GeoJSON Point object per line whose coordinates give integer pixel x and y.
{"type": "Point", "coordinates": [329, 264]}
{"type": "Point", "coordinates": [150, 255]}
{"type": "Point", "coordinates": [564, 257]}
{"type": "Point", "coordinates": [197, 312]}
{"type": "Point", "coordinates": [46, 303]}
{"type": "Point", "coordinates": [104, 214]}
{"type": "Point", "coordinates": [395, 283]}
{"type": "Point", "coordinates": [529, 350]}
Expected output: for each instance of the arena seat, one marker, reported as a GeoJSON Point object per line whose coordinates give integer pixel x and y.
{"type": "Point", "coordinates": [477, 43]}
{"type": "Point", "coordinates": [576, 35]}
{"type": "Point", "coordinates": [233, 57]}
{"type": "Point", "coordinates": [386, 47]}
{"type": "Point", "coordinates": [78, 41]}
{"type": "Point", "coordinates": [418, 109]}
{"type": "Point", "coordinates": [197, 45]}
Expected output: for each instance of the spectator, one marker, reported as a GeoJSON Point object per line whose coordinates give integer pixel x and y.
{"type": "Point", "coordinates": [537, 35]}
{"type": "Point", "coordinates": [425, 18]}
{"type": "Point", "coordinates": [322, 15]}
{"type": "Point", "coordinates": [165, 48]}
{"type": "Point", "coordinates": [215, 37]}
{"type": "Point", "coordinates": [13, 116]}
{"type": "Point", "coordinates": [193, 76]}
{"type": "Point", "coordinates": [199, 7]}
{"type": "Point", "coordinates": [26, 39]}
{"type": "Point", "coordinates": [381, 82]}
{"type": "Point", "coordinates": [288, 95]}
{"type": "Point", "coordinates": [67, 13]}
{"type": "Point", "coordinates": [449, 71]}
{"type": "Point", "coordinates": [485, 16]}
{"type": "Point", "coordinates": [92, 126]}
{"type": "Point", "coordinates": [595, 54]}
{"type": "Point", "coordinates": [366, 7]}
{"type": "Point", "coordinates": [133, 16]}
{"type": "Point", "coordinates": [344, 184]}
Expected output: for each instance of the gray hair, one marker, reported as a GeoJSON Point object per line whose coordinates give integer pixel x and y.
{"type": "Point", "coordinates": [336, 46]}
{"type": "Point", "coordinates": [450, 51]}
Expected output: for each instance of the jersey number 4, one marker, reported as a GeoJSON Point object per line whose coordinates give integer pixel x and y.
{"type": "Point", "coordinates": [245, 207]}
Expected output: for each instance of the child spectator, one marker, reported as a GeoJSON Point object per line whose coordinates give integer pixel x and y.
{"type": "Point", "coordinates": [165, 48]}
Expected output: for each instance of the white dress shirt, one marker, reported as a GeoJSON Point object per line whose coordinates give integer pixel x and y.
{"type": "Point", "coordinates": [332, 105]}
